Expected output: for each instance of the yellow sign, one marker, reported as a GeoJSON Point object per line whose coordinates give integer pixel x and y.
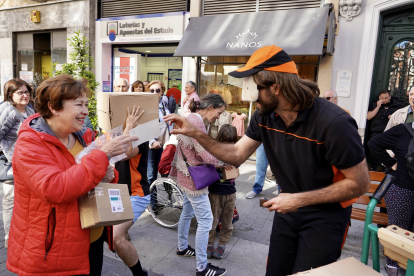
{"type": "Point", "coordinates": [35, 16]}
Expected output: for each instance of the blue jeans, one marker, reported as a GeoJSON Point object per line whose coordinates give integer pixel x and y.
{"type": "Point", "coordinates": [200, 207]}
{"type": "Point", "coordinates": [261, 167]}
{"type": "Point", "coordinates": [154, 157]}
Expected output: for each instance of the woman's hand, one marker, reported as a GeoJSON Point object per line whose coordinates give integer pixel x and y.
{"type": "Point", "coordinates": [118, 145]}
{"type": "Point", "coordinates": [156, 145]}
{"type": "Point", "coordinates": [132, 118]}
{"type": "Point", "coordinates": [110, 173]}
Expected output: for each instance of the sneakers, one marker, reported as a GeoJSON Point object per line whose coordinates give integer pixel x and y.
{"type": "Point", "coordinates": [251, 194]}
{"type": "Point", "coordinates": [210, 250]}
{"type": "Point", "coordinates": [189, 252]}
{"type": "Point", "coordinates": [219, 251]}
{"type": "Point", "coordinates": [212, 270]}
{"type": "Point", "coordinates": [392, 271]}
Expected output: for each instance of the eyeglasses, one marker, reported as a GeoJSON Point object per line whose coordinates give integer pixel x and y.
{"type": "Point", "coordinates": [158, 90]}
{"type": "Point", "coordinates": [328, 98]}
{"type": "Point", "coordinates": [21, 93]}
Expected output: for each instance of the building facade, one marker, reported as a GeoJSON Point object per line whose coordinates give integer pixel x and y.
{"type": "Point", "coordinates": [29, 47]}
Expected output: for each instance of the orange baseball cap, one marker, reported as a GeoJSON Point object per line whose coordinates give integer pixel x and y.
{"type": "Point", "coordinates": [270, 58]}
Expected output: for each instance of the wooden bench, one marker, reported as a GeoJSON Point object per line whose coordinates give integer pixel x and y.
{"type": "Point", "coordinates": [359, 213]}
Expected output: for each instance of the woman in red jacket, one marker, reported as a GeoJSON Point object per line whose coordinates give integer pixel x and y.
{"type": "Point", "coordinates": [46, 237]}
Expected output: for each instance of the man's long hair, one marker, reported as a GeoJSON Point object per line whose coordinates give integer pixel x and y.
{"type": "Point", "coordinates": [300, 93]}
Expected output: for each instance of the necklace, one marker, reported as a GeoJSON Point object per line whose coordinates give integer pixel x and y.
{"type": "Point", "coordinates": [68, 146]}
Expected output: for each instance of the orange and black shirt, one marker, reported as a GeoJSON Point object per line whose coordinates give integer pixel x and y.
{"type": "Point", "coordinates": [134, 172]}
{"type": "Point", "coordinates": [310, 152]}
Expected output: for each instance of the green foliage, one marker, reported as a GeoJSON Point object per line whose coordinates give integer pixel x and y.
{"type": "Point", "coordinates": [82, 63]}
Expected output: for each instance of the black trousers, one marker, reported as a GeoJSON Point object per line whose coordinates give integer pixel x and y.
{"type": "Point", "coordinates": [96, 251]}
{"type": "Point", "coordinates": [308, 238]}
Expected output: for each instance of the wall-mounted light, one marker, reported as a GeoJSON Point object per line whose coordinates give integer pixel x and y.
{"type": "Point", "coordinates": [35, 16]}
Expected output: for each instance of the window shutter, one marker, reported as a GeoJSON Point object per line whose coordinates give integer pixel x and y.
{"type": "Point", "coordinates": [214, 7]}
{"type": "Point", "coordinates": [116, 8]}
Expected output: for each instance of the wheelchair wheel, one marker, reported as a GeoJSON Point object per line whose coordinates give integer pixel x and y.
{"type": "Point", "coordinates": [169, 202]}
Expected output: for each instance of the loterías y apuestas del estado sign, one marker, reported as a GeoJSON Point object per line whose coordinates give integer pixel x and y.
{"type": "Point", "coordinates": [248, 41]}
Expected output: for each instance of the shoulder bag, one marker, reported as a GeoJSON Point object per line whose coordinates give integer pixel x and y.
{"type": "Point", "coordinates": [6, 170]}
{"type": "Point", "coordinates": [203, 175]}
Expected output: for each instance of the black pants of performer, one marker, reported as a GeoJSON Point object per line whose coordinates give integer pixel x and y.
{"type": "Point", "coordinates": [308, 238]}
{"type": "Point", "coordinates": [96, 251]}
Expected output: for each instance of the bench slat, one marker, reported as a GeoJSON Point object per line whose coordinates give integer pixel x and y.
{"type": "Point", "coordinates": [359, 214]}
{"type": "Point", "coordinates": [364, 199]}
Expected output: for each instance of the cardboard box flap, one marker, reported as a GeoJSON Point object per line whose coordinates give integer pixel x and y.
{"type": "Point", "coordinates": [345, 267]}
{"type": "Point", "coordinates": [111, 107]}
{"type": "Point", "coordinates": [119, 102]}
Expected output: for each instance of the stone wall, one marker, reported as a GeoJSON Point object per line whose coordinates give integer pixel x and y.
{"type": "Point", "coordinates": [75, 15]}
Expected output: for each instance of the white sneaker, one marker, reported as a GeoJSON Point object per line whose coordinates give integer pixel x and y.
{"type": "Point", "coordinates": [251, 194]}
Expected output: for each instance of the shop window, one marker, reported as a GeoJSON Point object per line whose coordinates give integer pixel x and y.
{"type": "Point", "coordinates": [37, 51]}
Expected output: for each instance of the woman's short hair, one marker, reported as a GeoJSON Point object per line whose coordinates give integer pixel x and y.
{"type": "Point", "coordinates": [12, 86]}
{"type": "Point", "coordinates": [55, 90]}
{"type": "Point", "coordinates": [136, 84]}
{"type": "Point", "coordinates": [156, 82]}
{"type": "Point", "coordinates": [214, 100]}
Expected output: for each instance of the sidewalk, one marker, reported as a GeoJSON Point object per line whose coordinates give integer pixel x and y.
{"type": "Point", "coordinates": [246, 254]}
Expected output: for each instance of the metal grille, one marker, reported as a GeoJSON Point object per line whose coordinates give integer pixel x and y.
{"type": "Point", "coordinates": [272, 5]}
{"type": "Point", "coordinates": [214, 7]}
{"type": "Point", "coordinates": [115, 8]}
{"type": "Point", "coordinates": [402, 71]}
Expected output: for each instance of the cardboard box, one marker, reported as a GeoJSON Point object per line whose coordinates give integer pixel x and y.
{"type": "Point", "coordinates": [345, 267]}
{"type": "Point", "coordinates": [111, 108]}
{"type": "Point", "coordinates": [231, 174]}
{"type": "Point", "coordinates": [106, 204]}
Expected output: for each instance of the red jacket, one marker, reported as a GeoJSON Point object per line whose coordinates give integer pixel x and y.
{"type": "Point", "coordinates": [167, 157]}
{"type": "Point", "coordinates": [46, 237]}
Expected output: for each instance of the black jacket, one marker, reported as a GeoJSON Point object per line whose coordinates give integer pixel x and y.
{"type": "Point", "coordinates": [380, 121]}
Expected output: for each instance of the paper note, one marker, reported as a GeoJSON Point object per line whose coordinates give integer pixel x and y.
{"type": "Point", "coordinates": [145, 132]}
{"type": "Point", "coordinates": [116, 201]}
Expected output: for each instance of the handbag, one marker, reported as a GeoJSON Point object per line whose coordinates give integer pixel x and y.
{"type": "Point", "coordinates": [6, 170]}
{"type": "Point", "coordinates": [203, 175]}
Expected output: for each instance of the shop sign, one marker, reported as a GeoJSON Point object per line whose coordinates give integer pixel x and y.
{"type": "Point", "coordinates": [143, 29]}
{"type": "Point", "coordinates": [26, 75]}
{"type": "Point", "coordinates": [247, 39]}
{"type": "Point", "coordinates": [24, 66]}
{"type": "Point", "coordinates": [124, 67]}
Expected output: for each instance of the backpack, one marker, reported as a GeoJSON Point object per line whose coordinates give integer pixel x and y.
{"type": "Point", "coordinates": [410, 154]}
{"type": "Point", "coordinates": [172, 104]}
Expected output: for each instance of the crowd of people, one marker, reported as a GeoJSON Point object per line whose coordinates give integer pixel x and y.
{"type": "Point", "coordinates": [311, 144]}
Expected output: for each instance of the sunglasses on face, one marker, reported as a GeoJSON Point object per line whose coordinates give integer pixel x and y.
{"type": "Point", "coordinates": [158, 90]}
{"type": "Point", "coordinates": [21, 93]}
{"type": "Point", "coordinates": [328, 98]}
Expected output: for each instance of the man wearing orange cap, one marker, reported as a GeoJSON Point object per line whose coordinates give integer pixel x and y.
{"type": "Point", "coordinates": [315, 152]}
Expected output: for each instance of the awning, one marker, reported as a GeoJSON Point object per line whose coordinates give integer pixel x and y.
{"type": "Point", "coordinates": [298, 32]}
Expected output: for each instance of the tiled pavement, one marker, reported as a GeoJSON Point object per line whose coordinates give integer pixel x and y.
{"type": "Point", "coordinates": [246, 252]}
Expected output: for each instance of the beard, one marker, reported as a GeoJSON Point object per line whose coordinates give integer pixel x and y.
{"type": "Point", "coordinates": [269, 105]}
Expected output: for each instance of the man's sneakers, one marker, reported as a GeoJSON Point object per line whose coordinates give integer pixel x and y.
{"type": "Point", "coordinates": [211, 270]}
{"type": "Point", "coordinates": [219, 251]}
{"type": "Point", "coordinates": [251, 194]}
{"type": "Point", "coordinates": [210, 250]}
{"type": "Point", "coordinates": [189, 252]}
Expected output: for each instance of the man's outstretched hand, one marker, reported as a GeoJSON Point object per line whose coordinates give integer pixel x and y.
{"type": "Point", "coordinates": [284, 203]}
{"type": "Point", "coordinates": [185, 127]}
